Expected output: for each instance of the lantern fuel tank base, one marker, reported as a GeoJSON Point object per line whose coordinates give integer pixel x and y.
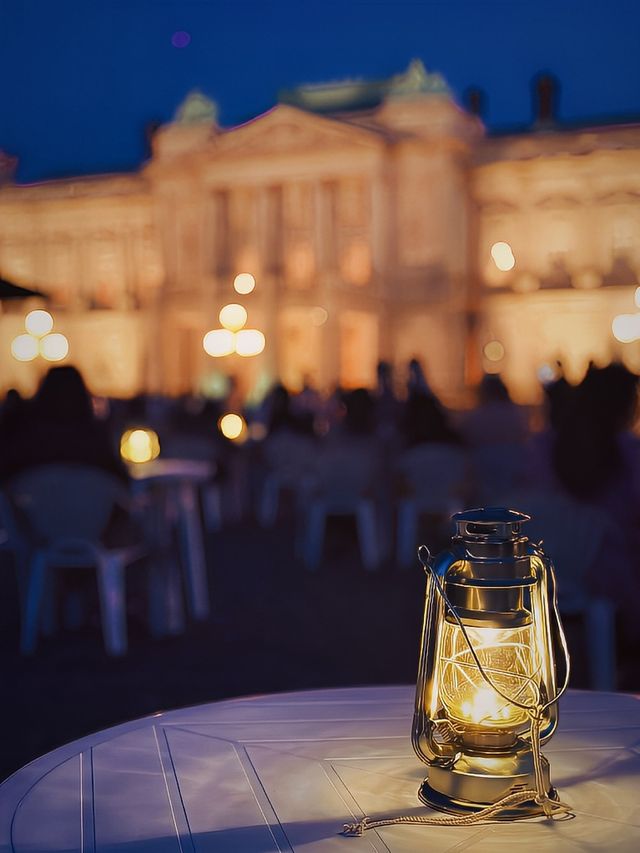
{"type": "Point", "coordinates": [476, 782]}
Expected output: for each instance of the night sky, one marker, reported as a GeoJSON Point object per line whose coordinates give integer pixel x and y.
{"type": "Point", "coordinates": [80, 79]}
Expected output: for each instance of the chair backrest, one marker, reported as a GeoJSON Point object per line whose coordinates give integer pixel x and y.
{"type": "Point", "coordinates": [66, 501]}
{"type": "Point", "coordinates": [435, 474]}
{"type": "Point", "coordinates": [347, 471]}
{"type": "Point", "coordinates": [290, 454]}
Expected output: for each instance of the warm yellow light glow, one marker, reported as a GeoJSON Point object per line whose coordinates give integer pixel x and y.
{"type": "Point", "coordinates": [502, 255]}
{"type": "Point", "coordinates": [636, 297]}
{"type": "Point", "coordinates": [139, 445]}
{"type": "Point", "coordinates": [219, 342]}
{"type": "Point", "coordinates": [24, 348]}
{"type": "Point", "coordinates": [250, 342]}
{"type": "Point", "coordinates": [510, 658]}
{"type": "Point", "coordinates": [319, 316]}
{"type": "Point", "coordinates": [244, 283]}
{"type": "Point", "coordinates": [233, 316]}
{"type": "Point", "coordinates": [486, 704]}
{"type": "Point", "coordinates": [626, 328]}
{"type": "Point", "coordinates": [38, 323]}
{"type": "Point", "coordinates": [54, 347]}
{"type": "Point", "coordinates": [493, 351]}
{"type": "Point", "coordinates": [232, 426]}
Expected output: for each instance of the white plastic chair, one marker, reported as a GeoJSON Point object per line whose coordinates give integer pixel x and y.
{"type": "Point", "coordinates": [344, 486]}
{"type": "Point", "coordinates": [290, 460]}
{"type": "Point", "coordinates": [66, 509]}
{"type": "Point", "coordinates": [436, 477]}
{"type": "Point", "coordinates": [573, 535]}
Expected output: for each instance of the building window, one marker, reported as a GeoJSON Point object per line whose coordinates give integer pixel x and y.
{"type": "Point", "coordinates": [273, 249]}
{"type": "Point", "coordinates": [221, 233]}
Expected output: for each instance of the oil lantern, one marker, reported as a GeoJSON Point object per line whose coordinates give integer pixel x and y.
{"type": "Point", "coordinates": [493, 663]}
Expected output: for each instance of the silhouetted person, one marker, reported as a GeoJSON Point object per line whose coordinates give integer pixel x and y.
{"type": "Point", "coordinates": [281, 415]}
{"type": "Point", "coordinates": [594, 456]}
{"type": "Point", "coordinates": [496, 419]}
{"type": "Point", "coordinates": [59, 426]}
{"type": "Point", "coordinates": [425, 420]}
{"type": "Point", "coordinates": [387, 406]}
{"type": "Point", "coordinates": [558, 394]}
{"type": "Point", "coordinates": [11, 415]}
{"type": "Point", "coordinates": [416, 380]}
{"type": "Point", "coordinates": [360, 413]}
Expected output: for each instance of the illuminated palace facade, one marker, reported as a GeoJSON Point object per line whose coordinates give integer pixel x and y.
{"type": "Point", "coordinates": [367, 213]}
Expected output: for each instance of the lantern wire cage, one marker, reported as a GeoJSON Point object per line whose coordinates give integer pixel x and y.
{"type": "Point", "coordinates": [527, 698]}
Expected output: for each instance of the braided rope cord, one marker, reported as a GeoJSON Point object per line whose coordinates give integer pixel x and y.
{"type": "Point", "coordinates": [539, 794]}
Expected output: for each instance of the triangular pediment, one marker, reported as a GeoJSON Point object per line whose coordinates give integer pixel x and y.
{"type": "Point", "coordinates": [288, 130]}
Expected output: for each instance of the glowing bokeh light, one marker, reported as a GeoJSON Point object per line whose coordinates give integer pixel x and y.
{"type": "Point", "coordinates": [244, 283]}
{"type": "Point", "coordinates": [54, 347]}
{"type": "Point", "coordinates": [139, 445]}
{"type": "Point", "coordinates": [38, 323]}
{"type": "Point", "coordinates": [503, 256]}
{"type": "Point", "coordinates": [232, 426]}
{"type": "Point", "coordinates": [24, 348]}
{"type": "Point", "coordinates": [233, 316]}
{"type": "Point", "coordinates": [249, 342]}
{"type": "Point", "coordinates": [219, 342]}
{"type": "Point", "coordinates": [626, 328]}
{"type": "Point", "coordinates": [493, 351]}
{"type": "Point", "coordinates": [180, 39]}
{"type": "Point", "coordinates": [319, 316]}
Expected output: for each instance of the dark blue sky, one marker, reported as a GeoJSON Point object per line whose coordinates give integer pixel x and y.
{"type": "Point", "coordinates": [81, 78]}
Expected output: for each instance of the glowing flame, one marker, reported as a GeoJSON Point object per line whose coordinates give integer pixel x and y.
{"type": "Point", "coordinates": [38, 323]}
{"type": "Point", "coordinates": [486, 704]}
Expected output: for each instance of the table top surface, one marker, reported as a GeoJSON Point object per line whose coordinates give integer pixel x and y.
{"type": "Point", "coordinates": [285, 772]}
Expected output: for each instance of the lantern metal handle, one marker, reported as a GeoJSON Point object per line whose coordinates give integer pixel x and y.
{"type": "Point", "coordinates": [426, 747]}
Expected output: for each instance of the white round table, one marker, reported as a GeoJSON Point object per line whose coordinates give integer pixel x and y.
{"type": "Point", "coordinates": [285, 772]}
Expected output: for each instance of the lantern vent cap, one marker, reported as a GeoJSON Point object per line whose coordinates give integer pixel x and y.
{"type": "Point", "coordinates": [491, 524]}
